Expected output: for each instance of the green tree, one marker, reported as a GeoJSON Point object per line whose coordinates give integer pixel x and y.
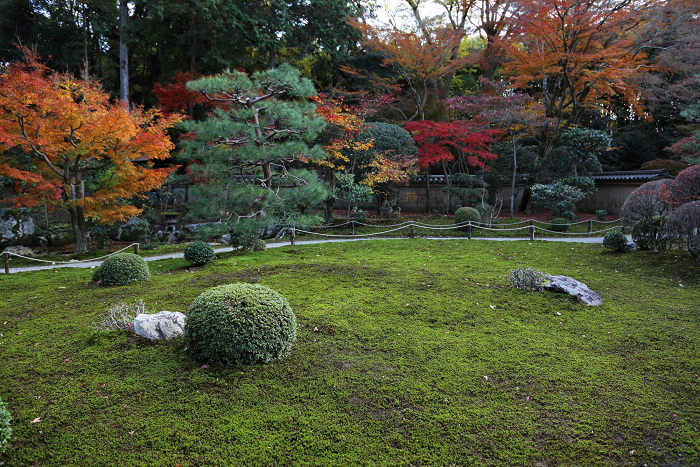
{"type": "Point", "coordinates": [250, 154]}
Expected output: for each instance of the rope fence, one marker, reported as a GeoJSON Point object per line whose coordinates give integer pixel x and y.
{"type": "Point", "coordinates": [470, 227]}
{"type": "Point", "coordinates": [6, 257]}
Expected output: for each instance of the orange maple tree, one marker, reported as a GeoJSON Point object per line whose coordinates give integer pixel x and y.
{"type": "Point", "coordinates": [85, 154]}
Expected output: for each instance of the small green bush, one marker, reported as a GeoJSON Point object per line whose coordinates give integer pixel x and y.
{"type": "Point", "coordinates": [122, 269]}
{"type": "Point", "coordinates": [240, 324]}
{"type": "Point", "coordinates": [260, 245]}
{"type": "Point", "coordinates": [601, 214]}
{"type": "Point", "coordinates": [465, 214]}
{"type": "Point", "coordinates": [560, 225]}
{"type": "Point", "coordinates": [199, 252]}
{"type": "Point", "coordinates": [526, 278]}
{"type": "Point", "coordinates": [615, 240]}
{"type": "Point", "coordinates": [5, 429]}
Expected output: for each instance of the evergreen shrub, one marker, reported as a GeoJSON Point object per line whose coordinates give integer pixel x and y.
{"type": "Point", "coordinates": [560, 225]}
{"type": "Point", "coordinates": [122, 269]}
{"type": "Point", "coordinates": [615, 240]}
{"type": "Point", "coordinates": [5, 429]}
{"type": "Point", "coordinates": [465, 214]}
{"type": "Point", "coordinates": [199, 252]}
{"type": "Point", "coordinates": [240, 324]}
{"type": "Point", "coordinates": [601, 214]}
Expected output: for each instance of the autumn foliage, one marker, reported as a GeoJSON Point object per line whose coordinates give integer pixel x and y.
{"type": "Point", "coordinates": [445, 141]}
{"type": "Point", "coordinates": [175, 97]}
{"type": "Point", "coordinates": [86, 155]}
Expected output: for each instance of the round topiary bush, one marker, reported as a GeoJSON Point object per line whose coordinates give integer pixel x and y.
{"type": "Point", "coordinates": [615, 240]}
{"type": "Point", "coordinates": [5, 429]}
{"type": "Point", "coordinates": [199, 252]}
{"type": "Point", "coordinates": [601, 214]}
{"type": "Point", "coordinates": [560, 225]}
{"type": "Point", "coordinates": [122, 269]}
{"type": "Point", "coordinates": [240, 324]}
{"type": "Point", "coordinates": [260, 245]}
{"type": "Point", "coordinates": [465, 214]}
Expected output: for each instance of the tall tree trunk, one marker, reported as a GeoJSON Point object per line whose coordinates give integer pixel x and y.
{"type": "Point", "coordinates": [427, 190]}
{"type": "Point", "coordinates": [123, 52]}
{"type": "Point", "coordinates": [515, 171]}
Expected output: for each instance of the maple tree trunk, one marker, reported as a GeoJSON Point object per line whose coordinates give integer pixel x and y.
{"type": "Point", "coordinates": [77, 220]}
{"type": "Point", "coordinates": [427, 189]}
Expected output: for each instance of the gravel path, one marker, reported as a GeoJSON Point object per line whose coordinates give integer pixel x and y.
{"type": "Point", "coordinates": [92, 264]}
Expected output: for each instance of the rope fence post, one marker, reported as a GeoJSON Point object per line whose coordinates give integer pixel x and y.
{"type": "Point", "coordinates": [352, 223]}
{"type": "Point", "coordinates": [622, 224]}
{"type": "Point", "coordinates": [469, 230]}
{"type": "Point", "coordinates": [294, 234]}
{"type": "Point", "coordinates": [532, 231]}
{"type": "Point", "coordinates": [136, 248]}
{"type": "Point", "coordinates": [590, 227]}
{"type": "Point", "coordinates": [411, 228]}
{"type": "Point", "coordinates": [6, 260]}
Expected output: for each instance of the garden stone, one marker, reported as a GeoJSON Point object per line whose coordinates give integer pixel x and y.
{"type": "Point", "coordinates": [631, 246]}
{"type": "Point", "coordinates": [132, 229]}
{"type": "Point", "coordinates": [20, 250]}
{"type": "Point", "coordinates": [225, 239]}
{"type": "Point", "coordinates": [564, 284]}
{"type": "Point", "coordinates": [16, 227]}
{"type": "Point", "coordinates": [164, 325]}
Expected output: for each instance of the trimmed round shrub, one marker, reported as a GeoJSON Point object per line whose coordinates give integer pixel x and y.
{"type": "Point", "coordinates": [122, 269]}
{"type": "Point", "coordinates": [560, 225]}
{"type": "Point", "coordinates": [601, 214]}
{"type": "Point", "coordinates": [465, 214]}
{"type": "Point", "coordinates": [240, 324]}
{"type": "Point", "coordinates": [615, 240]}
{"type": "Point", "coordinates": [199, 252]}
{"type": "Point", "coordinates": [5, 429]}
{"type": "Point", "coordinates": [260, 245]}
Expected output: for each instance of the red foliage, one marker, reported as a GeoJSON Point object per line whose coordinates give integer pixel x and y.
{"type": "Point", "coordinates": [685, 187]}
{"type": "Point", "coordinates": [174, 97]}
{"type": "Point", "coordinates": [443, 141]}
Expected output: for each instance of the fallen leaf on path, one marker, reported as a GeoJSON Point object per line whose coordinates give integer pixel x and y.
{"type": "Point", "coordinates": [36, 420]}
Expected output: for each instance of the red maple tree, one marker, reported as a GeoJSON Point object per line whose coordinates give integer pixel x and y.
{"type": "Point", "coordinates": [87, 155]}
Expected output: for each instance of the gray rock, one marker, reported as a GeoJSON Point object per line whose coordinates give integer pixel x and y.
{"type": "Point", "coordinates": [164, 325]}
{"type": "Point", "coordinates": [225, 239]}
{"type": "Point", "coordinates": [132, 229]}
{"type": "Point", "coordinates": [19, 250]}
{"type": "Point", "coordinates": [16, 227]}
{"type": "Point", "coordinates": [573, 287]}
{"type": "Point", "coordinates": [631, 246]}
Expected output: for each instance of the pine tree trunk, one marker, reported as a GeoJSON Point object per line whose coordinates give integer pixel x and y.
{"type": "Point", "coordinates": [123, 52]}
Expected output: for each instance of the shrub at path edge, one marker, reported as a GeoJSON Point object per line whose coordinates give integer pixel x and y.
{"type": "Point", "coordinates": [199, 253]}
{"type": "Point", "coordinates": [122, 269]}
{"type": "Point", "coordinates": [240, 324]}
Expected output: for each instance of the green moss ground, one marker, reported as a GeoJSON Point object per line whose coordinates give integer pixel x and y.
{"type": "Point", "coordinates": [423, 356]}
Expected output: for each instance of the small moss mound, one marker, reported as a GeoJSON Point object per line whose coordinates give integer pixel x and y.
{"type": "Point", "coordinates": [260, 245]}
{"type": "Point", "coordinates": [122, 269]}
{"type": "Point", "coordinates": [240, 324]}
{"type": "Point", "coordinates": [199, 252]}
{"type": "Point", "coordinates": [560, 225]}
{"type": "Point", "coordinates": [465, 214]}
{"type": "Point", "coordinates": [5, 429]}
{"type": "Point", "coordinates": [615, 240]}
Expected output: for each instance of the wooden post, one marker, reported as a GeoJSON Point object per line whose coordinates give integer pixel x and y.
{"type": "Point", "coordinates": [352, 223]}
{"type": "Point", "coordinates": [293, 234]}
{"type": "Point", "coordinates": [532, 231]}
{"type": "Point", "coordinates": [136, 248]}
{"type": "Point", "coordinates": [590, 227]}
{"type": "Point", "coordinates": [469, 230]}
{"type": "Point", "coordinates": [411, 227]}
{"type": "Point", "coordinates": [6, 257]}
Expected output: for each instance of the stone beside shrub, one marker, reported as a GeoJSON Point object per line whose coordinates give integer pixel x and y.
{"type": "Point", "coordinates": [240, 324]}
{"type": "Point", "coordinates": [615, 240]}
{"type": "Point", "coordinates": [465, 214]}
{"type": "Point", "coordinates": [601, 214]}
{"type": "Point", "coordinates": [122, 269]}
{"type": "Point", "coordinates": [560, 225]}
{"type": "Point", "coordinates": [5, 429]}
{"type": "Point", "coordinates": [527, 278]}
{"type": "Point", "coordinates": [199, 252]}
